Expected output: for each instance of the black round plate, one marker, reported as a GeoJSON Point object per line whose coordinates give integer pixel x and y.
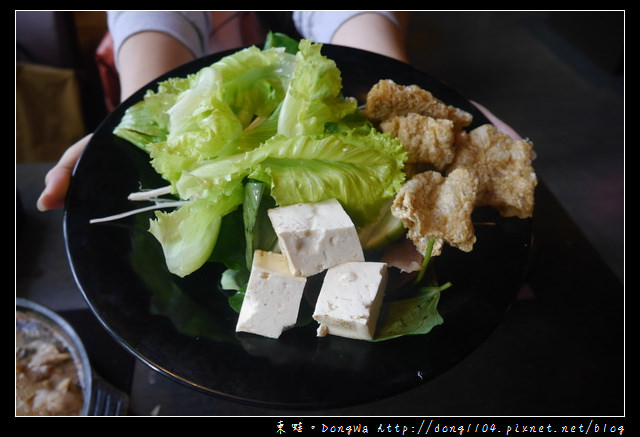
{"type": "Point", "coordinates": [185, 329]}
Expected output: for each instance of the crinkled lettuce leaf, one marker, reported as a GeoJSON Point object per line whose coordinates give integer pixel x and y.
{"type": "Point", "coordinates": [189, 233]}
{"type": "Point", "coordinates": [206, 114]}
{"type": "Point", "coordinates": [147, 122]}
{"type": "Point", "coordinates": [140, 126]}
{"type": "Point", "coordinates": [314, 96]}
{"type": "Point", "coordinates": [253, 82]}
{"type": "Point", "coordinates": [360, 171]}
{"type": "Point", "coordinates": [266, 115]}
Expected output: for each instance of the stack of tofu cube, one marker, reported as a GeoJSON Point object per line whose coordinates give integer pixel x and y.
{"type": "Point", "coordinates": [314, 237]}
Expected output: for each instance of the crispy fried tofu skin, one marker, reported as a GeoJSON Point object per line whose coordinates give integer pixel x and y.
{"type": "Point", "coordinates": [451, 171]}
{"type": "Point", "coordinates": [387, 99]}
{"type": "Point", "coordinates": [427, 140]}
{"type": "Point", "coordinates": [432, 205]}
{"type": "Point", "coordinates": [506, 177]}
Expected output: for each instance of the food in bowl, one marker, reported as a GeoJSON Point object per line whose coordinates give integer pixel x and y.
{"type": "Point", "coordinates": [49, 377]}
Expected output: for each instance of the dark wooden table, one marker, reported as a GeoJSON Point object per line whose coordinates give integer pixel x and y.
{"type": "Point", "coordinates": [560, 350]}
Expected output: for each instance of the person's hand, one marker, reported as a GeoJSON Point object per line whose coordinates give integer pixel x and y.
{"type": "Point", "coordinates": [57, 179]}
{"type": "Point", "coordinates": [141, 62]}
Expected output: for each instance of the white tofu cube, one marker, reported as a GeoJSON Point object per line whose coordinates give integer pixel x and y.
{"type": "Point", "coordinates": [350, 299]}
{"type": "Point", "coordinates": [315, 236]}
{"type": "Point", "coordinates": [272, 299]}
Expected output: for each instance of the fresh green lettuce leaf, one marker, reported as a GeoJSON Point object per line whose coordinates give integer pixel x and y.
{"type": "Point", "coordinates": [253, 82]}
{"type": "Point", "coordinates": [264, 115]}
{"type": "Point", "coordinates": [141, 127]}
{"type": "Point", "coordinates": [360, 171]}
{"type": "Point", "coordinates": [147, 122]}
{"type": "Point", "coordinates": [189, 233]}
{"type": "Point", "coordinates": [204, 115]}
{"type": "Point", "coordinates": [314, 96]}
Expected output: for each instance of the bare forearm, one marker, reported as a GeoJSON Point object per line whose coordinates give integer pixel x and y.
{"type": "Point", "coordinates": [147, 55]}
{"type": "Point", "coordinates": [375, 33]}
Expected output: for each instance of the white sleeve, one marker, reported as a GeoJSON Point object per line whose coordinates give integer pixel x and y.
{"type": "Point", "coordinates": [322, 25]}
{"type": "Point", "coordinates": [191, 28]}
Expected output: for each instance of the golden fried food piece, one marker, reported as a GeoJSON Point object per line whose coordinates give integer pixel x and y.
{"type": "Point", "coordinates": [427, 140]}
{"type": "Point", "coordinates": [432, 205]}
{"type": "Point", "coordinates": [507, 180]}
{"type": "Point", "coordinates": [387, 99]}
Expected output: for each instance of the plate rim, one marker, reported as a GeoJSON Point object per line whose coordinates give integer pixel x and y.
{"type": "Point", "coordinates": [135, 97]}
